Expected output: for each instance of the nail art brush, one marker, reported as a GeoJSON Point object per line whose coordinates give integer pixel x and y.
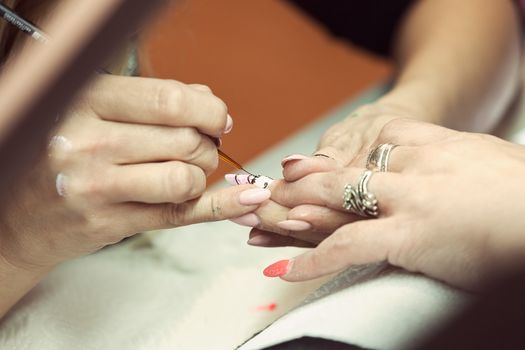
{"type": "Point", "coordinates": [37, 34]}
{"type": "Point", "coordinates": [227, 159]}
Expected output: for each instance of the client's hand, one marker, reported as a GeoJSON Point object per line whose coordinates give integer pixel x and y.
{"type": "Point", "coordinates": [347, 139]}
{"type": "Point", "coordinates": [132, 155]}
{"type": "Point", "coordinates": [451, 207]}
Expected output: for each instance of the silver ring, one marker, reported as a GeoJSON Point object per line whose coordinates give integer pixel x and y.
{"type": "Point", "coordinates": [358, 200]}
{"type": "Point", "coordinates": [379, 157]}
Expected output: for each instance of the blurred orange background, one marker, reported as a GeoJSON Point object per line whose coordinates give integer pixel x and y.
{"type": "Point", "coordinates": [275, 67]}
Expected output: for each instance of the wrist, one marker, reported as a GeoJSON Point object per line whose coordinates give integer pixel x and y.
{"type": "Point", "coordinates": [414, 100]}
{"type": "Point", "coordinates": [16, 281]}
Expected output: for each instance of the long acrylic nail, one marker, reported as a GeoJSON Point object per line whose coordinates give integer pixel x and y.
{"type": "Point", "coordinates": [250, 220]}
{"type": "Point", "coordinates": [229, 124]}
{"type": "Point", "coordinates": [254, 196]}
{"type": "Point", "coordinates": [291, 158]}
{"type": "Point", "coordinates": [294, 225]}
{"type": "Point", "coordinates": [260, 240]}
{"type": "Point", "coordinates": [278, 269]}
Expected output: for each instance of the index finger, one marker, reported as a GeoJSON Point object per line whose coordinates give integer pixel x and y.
{"type": "Point", "coordinates": [159, 102]}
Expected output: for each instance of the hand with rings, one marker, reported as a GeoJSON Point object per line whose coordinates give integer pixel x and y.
{"type": "Point", "coordinates": [450, 206]}
{"type": "Point", "coordinates": [131, 155]}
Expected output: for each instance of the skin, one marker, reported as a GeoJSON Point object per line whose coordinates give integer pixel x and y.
{"type": "Point", "coordinates": [133, 154]}
{"type": "Point", "coordinates": [438, 81]}
{"type": "Point", "coordinates": [450, 207]}
{"type": "Point", "coordinates": [458, 66]}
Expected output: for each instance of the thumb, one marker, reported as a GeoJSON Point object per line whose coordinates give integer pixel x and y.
{"type": "Point", "coordinates": [358, 243]}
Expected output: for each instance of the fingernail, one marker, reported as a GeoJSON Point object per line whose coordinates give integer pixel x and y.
{"type": "Point", "coordinates": [259, 241]}
{"type": "Point", "coordinates": [294, 225]}
{"type": "Point", "coordinates": [234, 179]}
{"type": "Point", "coordinates": [254, 196]}
{"type": "Point", "coordinates": [250, 220]}
{"type": "Point", "coordinates": [229, 124]}
{"type": "Point", "coordinates": [278, 269]}
{"type": "Point", "coordinates": [60, 183]}
{"type": "Point", "coordinates": [217, 141]}
{"type": "Point", "coordinates": [292, 157]}
{"type": "Point", "coordinates": [260, 181]}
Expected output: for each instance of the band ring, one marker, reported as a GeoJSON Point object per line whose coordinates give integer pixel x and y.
{"type": "Point", "coordinates": [379, 157]}
{"type": "Point", "coordinates": [359, 200]}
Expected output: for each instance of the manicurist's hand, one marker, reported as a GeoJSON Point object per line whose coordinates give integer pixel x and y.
{"type": "Point", "coordinates": [132, 154]}
{"type": "Point", "coordinates": [450, 206]}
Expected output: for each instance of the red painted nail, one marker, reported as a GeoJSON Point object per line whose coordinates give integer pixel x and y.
{"type": "Point", "coordinates": [277, 269]}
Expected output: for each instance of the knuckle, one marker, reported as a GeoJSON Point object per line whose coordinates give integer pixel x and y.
{"type": "Point", "coordinates": [182, 183]}
{"type": "Point", "coordinates": [88, 147]}
{"type": "Point", "coordinates": [392, 129]}
{"type": "Point", "coordinates": [204, 155]}
{"type": "Point", "coordinates": [190, 138]}
{"type": "Point", "coordinates": [201, 87]}
{"type": "Point", "coordinates": [339, 244]}
{"type": "Point", "coordinates": [219, 110]}
{"type": "Point", "coordinates": [174, 215]}
{"type": "Point", "coordinates": [87, 189]}
{"type": "Point", "coordinates": [169, 99]}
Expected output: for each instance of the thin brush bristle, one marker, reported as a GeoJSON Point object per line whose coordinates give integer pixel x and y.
{"type": "Point", "coordinates": [232, 162]}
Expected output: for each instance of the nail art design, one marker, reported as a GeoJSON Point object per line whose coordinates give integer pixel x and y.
{"type": "Point", "coordinates": [260, 181]}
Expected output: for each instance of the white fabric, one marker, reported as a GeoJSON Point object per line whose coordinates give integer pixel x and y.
{"type": "Point", "coordinates": [368, 307]}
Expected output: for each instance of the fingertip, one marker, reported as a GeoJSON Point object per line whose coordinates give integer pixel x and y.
{"type": "Point", "coordinates": [291, 158]}
{"type": "Point", "coordinates": [229, 124]}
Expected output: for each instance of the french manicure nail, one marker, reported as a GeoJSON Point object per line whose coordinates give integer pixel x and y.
{"type": "Point", "coordinates": [277, 269]}
{"type": "Point", "coordinates": [254, 196]}
{"type": "Point", "coordinates": [250, 220]}
{"type": "Point", "coordinates": [294, 225]}
{"type": "Point", "coordinates": [292, 157]}
{"type": "Point", "coordinates": [229, 124]}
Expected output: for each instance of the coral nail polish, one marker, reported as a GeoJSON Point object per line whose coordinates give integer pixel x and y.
{"type": "Point", "coordinates": [277, 269]}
